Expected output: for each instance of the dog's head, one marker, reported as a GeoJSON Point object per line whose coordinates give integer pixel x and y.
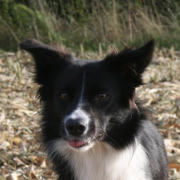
{"type": "Point", "coordinates": [84, 100]}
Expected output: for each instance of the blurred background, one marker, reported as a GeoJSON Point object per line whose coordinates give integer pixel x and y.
{"type": "Point", "coordinates": [90, 29]}
{"type": "Point", "coordinates": [75, 22]}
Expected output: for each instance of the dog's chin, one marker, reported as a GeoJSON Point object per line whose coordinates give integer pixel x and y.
{"type": "Point", "coordinates": [85, 147]}
{"type": "Point", "coordinates": [81, 145]}
{"type": "Point", "coordinates": [68, 146]}
{"type": "Point", "coordinates": [84, 144]}
{"type": "Point", "coordinates": [72, 144]}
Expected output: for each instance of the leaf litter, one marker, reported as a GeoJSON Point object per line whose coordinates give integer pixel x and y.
{"type": "Point", "coordinates": [21, 155]}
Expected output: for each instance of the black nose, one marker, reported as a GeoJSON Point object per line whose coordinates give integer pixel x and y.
{"type": "Point", "coordinates": [75, 127]}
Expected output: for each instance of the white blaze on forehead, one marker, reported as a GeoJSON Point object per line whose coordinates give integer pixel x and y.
{"type": "Point", "coordinates": [79, 112]}
{"type": "Point", "coordinates": [82, 89]}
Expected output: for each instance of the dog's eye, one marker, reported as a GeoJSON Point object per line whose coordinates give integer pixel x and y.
{"type": "Point", "coordinates": [102, 96]}
{"type": "Point", "coordinates": [64, 96]}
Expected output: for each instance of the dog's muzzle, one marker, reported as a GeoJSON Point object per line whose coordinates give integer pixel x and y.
{"type": "Point", "coordinates": [76, 127]}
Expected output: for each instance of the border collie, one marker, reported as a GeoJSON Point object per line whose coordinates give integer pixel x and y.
{"type": "Point", "coordinates": [93, 127]}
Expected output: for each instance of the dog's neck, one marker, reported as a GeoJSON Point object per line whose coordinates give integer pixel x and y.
{"type": "Point", "coordinates": [104, 162]}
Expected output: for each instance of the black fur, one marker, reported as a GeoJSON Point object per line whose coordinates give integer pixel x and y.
{"type": "Point", "coordinates": [120, 117]}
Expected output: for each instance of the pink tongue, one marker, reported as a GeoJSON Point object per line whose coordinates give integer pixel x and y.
{"type": "Point", "coordinates": [76, 143]}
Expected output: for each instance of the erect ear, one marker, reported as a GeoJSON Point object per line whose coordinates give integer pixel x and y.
{"type": "Point", "coordinates": [48, 59]}
{"type": "Point", "coordinates": [131, 63]}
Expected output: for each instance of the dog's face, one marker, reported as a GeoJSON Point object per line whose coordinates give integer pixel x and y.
{"type": "Point", "coordinates": [86, 97]}
{"type": "Point", "coordinates": [84, 100]}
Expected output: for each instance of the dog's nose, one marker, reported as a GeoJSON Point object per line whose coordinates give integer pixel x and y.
{"type": "Point", "coordinates": [75, 127]}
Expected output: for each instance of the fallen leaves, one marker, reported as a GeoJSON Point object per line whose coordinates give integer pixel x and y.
{"type": "Point", "coordinates": [12, 176]}
{"type": "Point", "coordinates": [20, 154]}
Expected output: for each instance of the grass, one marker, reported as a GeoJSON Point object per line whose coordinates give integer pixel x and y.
{"type": "Point", "coordinates": [111, 23]}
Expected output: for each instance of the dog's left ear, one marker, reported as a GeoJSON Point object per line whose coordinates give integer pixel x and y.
{"type": "Point", "coordinates": [131, 63]}
{"type": "Point", "coordinates": [49, 60]}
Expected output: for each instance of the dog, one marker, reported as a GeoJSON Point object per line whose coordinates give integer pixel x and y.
{"type": "Point", "coordinates": [93, 127]}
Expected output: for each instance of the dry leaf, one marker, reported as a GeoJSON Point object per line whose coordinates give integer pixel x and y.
{"type": "Point", "coordinates": [174, 166]}
{"type": "Point", "coordinates": [13, 176]}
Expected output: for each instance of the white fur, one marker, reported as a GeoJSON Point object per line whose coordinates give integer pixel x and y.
{"type": "Point", "coordinates": [82, 89]}
{"type": "Point", "coordinates": [78, 113]}
{"type": "Point", "coordinates": [100, 161]}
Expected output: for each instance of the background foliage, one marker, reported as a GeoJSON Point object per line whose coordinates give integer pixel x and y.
{"type": "Point", "coordinates": [75, 22]}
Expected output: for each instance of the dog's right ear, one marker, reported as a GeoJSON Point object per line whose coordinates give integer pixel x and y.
{"type": "Point", "coordinates": [131, 64]}
{"type": "Point", "coordinates": [49, 60]}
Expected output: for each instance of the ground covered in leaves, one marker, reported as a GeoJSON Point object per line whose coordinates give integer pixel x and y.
{"type": "Point", "coordinates": [20, 154]}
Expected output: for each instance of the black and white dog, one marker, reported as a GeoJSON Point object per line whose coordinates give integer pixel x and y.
{"type": "Point", "coordinates": [93, 128]}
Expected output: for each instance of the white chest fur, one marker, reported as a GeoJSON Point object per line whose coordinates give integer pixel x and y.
{"type": "Point", "coordinates": [102, 162]}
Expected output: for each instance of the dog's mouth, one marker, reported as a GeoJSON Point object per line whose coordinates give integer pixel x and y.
{"type": "Point", "coordinates": [77, 143]}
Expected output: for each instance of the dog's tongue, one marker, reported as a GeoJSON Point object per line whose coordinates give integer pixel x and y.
{"type": "Point", "coordinates": [76, 143]}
